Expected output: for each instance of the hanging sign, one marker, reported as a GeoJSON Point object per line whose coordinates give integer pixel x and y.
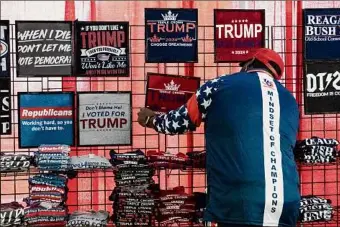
{"type": "Point", "coordinates": [5, 80]}
{"type": "Point", "coordinates": [171, 35]}
{"type": "Point", "coordinates": [322, 87]}
{"type": "Point", "coordinates": [5, 106]}
{"type": "Point", "coordinates": [104, 118]}
{"type": "Point", "coordinates": [321, 34]}
{"type": "Point", "coordinates": [5, 69]}
{"type": "Point", "coordinates": [102, 48]}
{"type": "Point", "coordinates": [46, 118]}
{"type": "Point", "coordinates": [236, 32]}
{"type": "Point", "coordinates": [44, 48]}
{"type": "Point", "coordinates": [168, 92]}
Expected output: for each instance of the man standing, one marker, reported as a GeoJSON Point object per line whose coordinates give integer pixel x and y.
{"type": "Point", "coordinates": [251, 125]}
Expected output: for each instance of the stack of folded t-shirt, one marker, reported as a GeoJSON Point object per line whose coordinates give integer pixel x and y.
{"type": "Point", "coordinates": [175, 206]}
{"type": "Point", "coordinates": [89, 162]}
{"type": "Point", "coordinates": [50, 188]}
{"type": "Point", "coordinates": [316, 150]}
{"type": "Point", "coordinates": [53, 158]}
{"type": "Point", "coordinates": [158, 160]}
{"type": "Point", "coordinates": [14, 162]}
{"type": "Point", "coordinates": [314, 208]}
{"type": "Point", "coordinates": [197, 159]}
{"type": "Point", "coordinates": [133, 202]}
{"type": "Point", "coordinates": [132, 207]}
{"type": "Point", "coordinates": [45, 214]}
{"type": "Point", "coordinates": [88, 219]}
{"type": "Point", "coordinates": [11, 214]}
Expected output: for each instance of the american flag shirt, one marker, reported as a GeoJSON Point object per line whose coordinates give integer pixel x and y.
{"type": "Point", "coordinates": [251, 126]}
{"type": "Point", "coordinates": [190, 115]}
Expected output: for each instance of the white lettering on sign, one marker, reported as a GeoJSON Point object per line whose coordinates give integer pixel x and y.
{"type": "Point", "coordinates": [271, 151]}
{"type": "Point", "coordinates": [238, 31]}
{"type": "Point", "coordinates": [323, 19]}
{"type": "Point", "coordinates": [322, 25]}
{"type": "Point", "coordinates": [321, 81]}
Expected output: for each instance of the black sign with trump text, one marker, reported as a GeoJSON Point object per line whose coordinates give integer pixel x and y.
{"type": "Point", "coordinates": [171, 35]}
{"type": "Point", "coordinates": [102, 48]}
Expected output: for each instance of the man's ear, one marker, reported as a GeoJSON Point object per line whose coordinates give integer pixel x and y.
{"type": "Point", "coordinates": [245, 65]}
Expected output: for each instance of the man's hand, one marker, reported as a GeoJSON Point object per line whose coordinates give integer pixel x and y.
{"type": "Point", "coordinates": [145, 117]}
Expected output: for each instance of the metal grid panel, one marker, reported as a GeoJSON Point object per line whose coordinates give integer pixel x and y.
{"type": "Point", "coordinates": [321, 180]}
{"type": "Point", "coordinates": [91, 190]}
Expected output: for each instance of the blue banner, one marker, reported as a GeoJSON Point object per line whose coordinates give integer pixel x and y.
{"type": "Point", "coordinates": [171, 35]}
{"type": "Point", "coordinates": [321, 34]}
{"type": "Point", "coordinates": [46, 118]}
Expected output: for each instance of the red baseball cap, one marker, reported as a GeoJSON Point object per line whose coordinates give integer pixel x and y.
{"type": "Point", "coordinates": [267, 56]}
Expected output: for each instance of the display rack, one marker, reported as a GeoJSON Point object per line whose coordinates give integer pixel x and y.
{"type": "Point", "coordinates": [91, 190]}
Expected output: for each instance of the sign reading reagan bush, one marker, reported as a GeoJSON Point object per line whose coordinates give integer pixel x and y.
{"type": "Point", "coordinates": [321, 34]}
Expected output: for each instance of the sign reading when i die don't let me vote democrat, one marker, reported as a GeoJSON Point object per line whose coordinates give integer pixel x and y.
{"type": "Point", "coordinates": [321, 34]}
{"type": "Point", "coordinates": [237, 32]}
{"type": "Point", "coordinates": [44, 48]}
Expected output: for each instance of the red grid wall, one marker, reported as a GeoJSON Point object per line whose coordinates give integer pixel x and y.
{"type": "Point", "coordinates": [90, 191]}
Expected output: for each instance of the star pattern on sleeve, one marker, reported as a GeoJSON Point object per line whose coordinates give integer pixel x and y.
{"type": "Point", "coordinates": [178, 121]}
{"type": "Point", "coordinates": [175, 122]}
{"type": "Point", "coordinates": [205, 95]}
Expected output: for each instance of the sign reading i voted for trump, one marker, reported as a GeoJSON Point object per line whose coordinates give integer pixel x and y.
{"type": "Point", "coordinates": [102, 48]}
{"type": "Point", "coordinates": [171, 35]}
{"type": "Point", "coordinates": [4, 49]}
{"type": "Point", "coordinates": [321, 34]}
{"type": "Point", "coordinates": [236, 32]}
{"type": "Point", "coordinates": [168, 92]}
{"type": "Point", "coordinates": [46, 118]}
{"type": "Point", "coordinates": [104, 118]}
{"type": "Point", "coordinates": [321, 87]}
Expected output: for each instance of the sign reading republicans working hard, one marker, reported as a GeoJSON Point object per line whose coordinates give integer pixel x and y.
{"type": "Point", "coordinates": [5, 106]}
{"type": "Point", "coordinates": [104, 118]}
{"type": "Point", "coordinates": [4, 49]}
{"type": "Point", "coordinates": [237, 32]}
{"type": "Point", "coordinates": [321, 34]}
{"type": "Point", "coordinates": [44, 48]}
{"type": "Point", "coordinates": [171, 35]}
{"type": "Point", "coordinates": [46, 118]}
{"type": "Point", "coordinates": [102, 48]}
{"type": "Point", "coordinates": [322, 87]}
{"type": "Point", "coordinates": [169, 92]}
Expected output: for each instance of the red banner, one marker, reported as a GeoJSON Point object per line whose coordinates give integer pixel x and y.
{"type": "Point", "coordinates": [237, 32]}
{"type": "Point", "coordinates": [168, 92]}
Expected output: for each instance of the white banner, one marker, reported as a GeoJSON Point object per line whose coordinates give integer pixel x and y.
{"type": "Point", "coordinates": [103, 49]}
{"type": "Point", "coordinates": [104, 119]}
